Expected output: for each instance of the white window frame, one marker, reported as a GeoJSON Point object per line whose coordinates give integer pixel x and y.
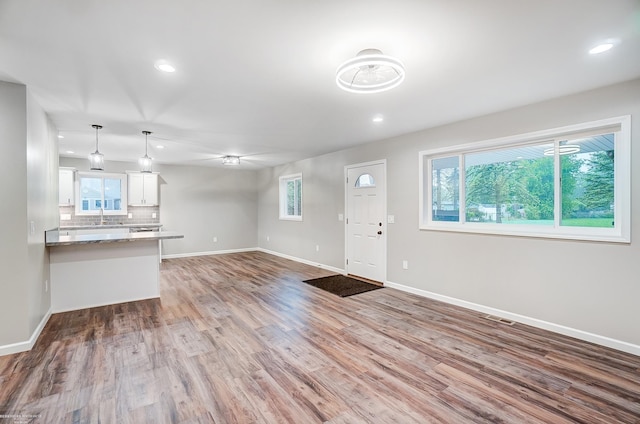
{"type": "Point", "coordinates": [102, 175]}
{"type": "Point", "coordinates": [284, 215]}
{"type": "Point", "coordinates": [620, 233]}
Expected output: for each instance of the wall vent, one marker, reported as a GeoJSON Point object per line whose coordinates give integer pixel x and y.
{"type": "Point", "coordinates": [500, 320]}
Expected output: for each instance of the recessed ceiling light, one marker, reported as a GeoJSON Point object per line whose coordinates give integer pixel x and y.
{"type": "Point", "coordinates": [60, 136]}
{"type": "Point", "coordinates": [159, 146]}
{"type": "Point", "coordinates": [601, 48]}
{"type": "Point", "coordinates": [378, 118]}
{"type": "Point", "coordinates": [604, 45]}
{"type": "Point", "coordinates": [164, 66]}
{"type": "Point", "coordinates": [70, 152]}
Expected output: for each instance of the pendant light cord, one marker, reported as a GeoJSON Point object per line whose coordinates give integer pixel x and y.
{"type": "Point", "coordinates": [146, 142]}
{"type": "Point", "coordinates": [97, 127]}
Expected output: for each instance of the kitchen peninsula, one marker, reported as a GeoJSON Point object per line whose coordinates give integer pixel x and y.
{"type": "Point", "coordinates": [103, 268]}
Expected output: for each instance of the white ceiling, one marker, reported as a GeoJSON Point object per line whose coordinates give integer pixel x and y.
{"type": "Point", "coordinates": [256, 78]}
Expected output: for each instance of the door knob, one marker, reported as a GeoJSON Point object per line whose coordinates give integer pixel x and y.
{"type": "Point", "coordinates": [379, 233]}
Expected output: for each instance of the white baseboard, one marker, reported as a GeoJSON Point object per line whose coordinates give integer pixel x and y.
{"type": "Point", "coordinates": [211, 252]}
{"type": "Point", "coordinates": [304, 261]}
{"type": "Point", "coordinates": [27, 345]}
{"type": "Point", "coordinates": [534, 322]}
{"type": "Point", "coordinates": [255, 249]}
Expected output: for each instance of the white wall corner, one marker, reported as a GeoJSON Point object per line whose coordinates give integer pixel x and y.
{"type": "Point", "coordinates": [26, 345]}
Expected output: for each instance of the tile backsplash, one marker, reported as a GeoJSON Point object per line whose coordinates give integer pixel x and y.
{"type": "Point", "coordinates": [139, 215]}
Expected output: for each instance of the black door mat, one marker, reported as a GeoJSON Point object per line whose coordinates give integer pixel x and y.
{"type": "Point", "coordinates": [342, 285]}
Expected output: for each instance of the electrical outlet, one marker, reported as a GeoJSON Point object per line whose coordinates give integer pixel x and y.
{"type": "Point", "coordinates": [405, 264]}
{"type": "Point", "coordinates": [129, 215]}
{"type": "Point", "coordinates": [154, 215]}
{"type": "Point", "coordinates": [391, 219]}
{"type": "Point", "coordinates": [215, 239]}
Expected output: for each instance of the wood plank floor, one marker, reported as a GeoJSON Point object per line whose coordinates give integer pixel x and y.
{"type": "Point", "coordinates": [239, 338]}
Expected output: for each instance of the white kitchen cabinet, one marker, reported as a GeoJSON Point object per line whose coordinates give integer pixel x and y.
{"type": "Point", "coordinates": [66, 182]}
{"type": "Point", "coordinates": [142, 189]}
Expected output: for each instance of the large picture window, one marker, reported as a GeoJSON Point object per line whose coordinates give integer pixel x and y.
{"type": "Point", "coordinates": [571, 182]}
{"type": "Point", "coordinates": [99, 193]}
{"type": "Point", "coordinates": [291, 197]}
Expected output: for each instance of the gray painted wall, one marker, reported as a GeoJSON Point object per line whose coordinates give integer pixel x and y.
{"type": "Point", "coordinates": [13, 248]}
{"type": "Point", "coordinates": [594, 288]}
{"type": "Point", "coordinates": [42, 199]}
{"type": "Point", "coordinates": [28, 169]}
{"type": "Point", "coordinates": [201, 203]}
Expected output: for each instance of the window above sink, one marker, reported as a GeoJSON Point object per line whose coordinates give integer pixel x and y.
{"type": "Point", "coordinates": [101, 193]}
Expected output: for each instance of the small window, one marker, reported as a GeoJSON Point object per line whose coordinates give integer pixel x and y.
{"type": "Point", "coordinates": [365, 180]}
{"type": "Point", "coordinates": [101, 193]}
{"type": "Point", "coordinates": [291, 197]}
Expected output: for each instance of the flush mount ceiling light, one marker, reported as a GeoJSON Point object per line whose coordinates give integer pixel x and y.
{"type": "Point", "coordinates": [145, 161]}
{"type": "Point", "coordinates": [377, 119]}
{"type": "Point", "coordinates": [231, 160]}
{"type": "Point", "coordinates": [164, 66]}
{"type": "Point", "coordinates": [370, 72]}
{"type": "Point", "coordinates": [563, 149]}
{"type": "Point", "coordinates": [96, 159]}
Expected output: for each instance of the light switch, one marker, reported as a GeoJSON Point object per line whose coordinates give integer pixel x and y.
{"type": "Point", "coordinates": [340, 217]}
{"type": "Point", "coordinates": [154, 215]}
{"type": "Point", "coordinates": [391, 219]}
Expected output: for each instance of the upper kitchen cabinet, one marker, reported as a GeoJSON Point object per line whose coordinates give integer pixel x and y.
{"type": "Point", "coordinates": [143, 189]}
{"type": "Point", "coordinates": [66, 184]}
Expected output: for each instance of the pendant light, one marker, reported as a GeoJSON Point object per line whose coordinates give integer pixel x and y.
{"type": "Point", "coordinates": [96, 159]}
{"type": "Point", "coordinates": [145, 161]}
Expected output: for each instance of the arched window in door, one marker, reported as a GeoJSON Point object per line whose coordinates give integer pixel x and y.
{"type": "Point", "coordinates": [365, 180]}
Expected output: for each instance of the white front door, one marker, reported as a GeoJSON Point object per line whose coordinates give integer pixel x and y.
{"type": "Point", "coordinates": [366, 228]}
